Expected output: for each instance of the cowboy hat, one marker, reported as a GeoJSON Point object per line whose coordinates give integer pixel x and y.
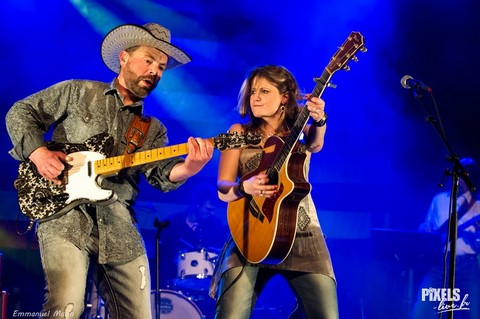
{"type": "Point", "coordinates": [129, 35]}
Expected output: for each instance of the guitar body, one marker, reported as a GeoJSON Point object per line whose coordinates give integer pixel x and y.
{"type": "Point", "coordinates": [264, 228]}
{"type": "Point", "coordinates": [39, 198]}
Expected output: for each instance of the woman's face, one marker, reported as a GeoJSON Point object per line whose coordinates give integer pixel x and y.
{"type": "Point", "coordinates": [265, 99]}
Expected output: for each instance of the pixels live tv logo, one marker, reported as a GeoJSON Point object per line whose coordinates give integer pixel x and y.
{"type": "Point", "coordinates": [447, 299]}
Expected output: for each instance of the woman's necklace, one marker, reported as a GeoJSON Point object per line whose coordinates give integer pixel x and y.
{"type": "Point", "coordinates": [266, 133]}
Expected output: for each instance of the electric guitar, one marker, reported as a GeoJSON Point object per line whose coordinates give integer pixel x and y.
{"type": "Point", "coordinates": [40, 199]}
{"type": "Point", "coordinates": [264, 228]}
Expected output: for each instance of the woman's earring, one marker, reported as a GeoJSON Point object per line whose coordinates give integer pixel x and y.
{"type": "Point", "coordinates": [282, 107]}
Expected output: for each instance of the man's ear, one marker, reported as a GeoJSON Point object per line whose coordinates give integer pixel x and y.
{"type": "Point", "coordinates": [123, 57]}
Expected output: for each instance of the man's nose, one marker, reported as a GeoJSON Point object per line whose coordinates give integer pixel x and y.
{"type": "Point", "coordinates": [153, 70]}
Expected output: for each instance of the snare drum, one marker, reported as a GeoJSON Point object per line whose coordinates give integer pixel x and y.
{"type": "Point", "coordinates": [194, 268]}
{"type": "Point", "coordinates": [174, 305]}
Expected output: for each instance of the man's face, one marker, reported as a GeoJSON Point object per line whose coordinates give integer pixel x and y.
{"type": "Point", "coordinates": [142, 69]}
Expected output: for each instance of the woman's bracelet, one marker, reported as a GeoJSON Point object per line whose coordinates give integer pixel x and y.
{"type": "Point", "coordinates": [322, 121]}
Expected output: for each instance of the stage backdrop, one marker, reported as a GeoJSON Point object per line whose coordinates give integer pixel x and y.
{"type": "Point", "coordinates": [382, 160]}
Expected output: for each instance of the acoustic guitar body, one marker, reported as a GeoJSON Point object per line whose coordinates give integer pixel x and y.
{"type": "Point", "coordinates": [264, 228]}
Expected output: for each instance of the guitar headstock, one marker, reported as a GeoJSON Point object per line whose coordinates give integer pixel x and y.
{"type": "Point", "coordinates": [354, 43]}
{"type": "Point", "coordinates": [227, 141]}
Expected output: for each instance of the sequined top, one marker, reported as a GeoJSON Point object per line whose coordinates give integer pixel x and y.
{"type": "Point", "coordinates": [77, 110]}
{"type": "Point", "coordinates": [309, 252]}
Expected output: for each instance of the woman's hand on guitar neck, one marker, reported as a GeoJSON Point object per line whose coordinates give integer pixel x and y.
{"type": "Point", "coordinates": [50, 164]}
{"type": "Point", "coordinates": [316, 106]}
{"type": "Point", "coordinates": [258, 186]}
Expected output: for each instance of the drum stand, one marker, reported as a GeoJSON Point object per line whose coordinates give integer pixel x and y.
{"type": "Point", "coordinates": [160, 226]}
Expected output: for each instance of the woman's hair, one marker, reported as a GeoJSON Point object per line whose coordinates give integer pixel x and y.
{"type": "Point", "coordinates": [283, 80]}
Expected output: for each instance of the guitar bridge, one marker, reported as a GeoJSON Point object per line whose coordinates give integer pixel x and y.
{"type": "Point", "coordinates": [43, 197]}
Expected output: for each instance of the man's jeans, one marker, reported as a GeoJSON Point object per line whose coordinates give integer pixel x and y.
{"type": "Point", "coordinates": [124, 287]}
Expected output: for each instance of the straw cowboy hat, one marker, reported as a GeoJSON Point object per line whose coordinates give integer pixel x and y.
{"type": "Point", "coordinates": [129, 35]}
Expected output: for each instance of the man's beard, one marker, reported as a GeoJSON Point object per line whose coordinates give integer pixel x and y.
{"type": "Point", "coordinates": [132, 83]}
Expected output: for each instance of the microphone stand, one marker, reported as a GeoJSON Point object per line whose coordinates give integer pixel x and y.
{"type": "Point", "coordinates": [457, 171]}
{"type": "Point", "coordinates": [160, 226]}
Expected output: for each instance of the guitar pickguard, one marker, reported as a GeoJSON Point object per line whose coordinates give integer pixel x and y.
{"type": "Point", "coordinates": [39, 198]}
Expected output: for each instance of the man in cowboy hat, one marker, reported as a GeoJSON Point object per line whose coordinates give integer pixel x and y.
{"type": "Point", "coordinates": [104, 236]}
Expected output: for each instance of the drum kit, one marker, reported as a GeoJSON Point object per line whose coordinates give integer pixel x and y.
{"type": "Point", "coordinates": [189, 297]}
{"type": "Point", "coordinates": [194, 269]}
{"type": "Point", "coordinates": [186, 299]}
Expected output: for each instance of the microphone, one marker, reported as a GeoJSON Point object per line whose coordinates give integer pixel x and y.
{"type": "Point", "coordinates": [409, 83]}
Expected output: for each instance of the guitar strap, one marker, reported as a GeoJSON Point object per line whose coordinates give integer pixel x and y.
{"type": "Point", "coordinates": [136, 133]}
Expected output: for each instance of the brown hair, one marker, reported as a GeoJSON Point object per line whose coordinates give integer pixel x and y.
{"type": "Point", "coordinates": [283, 80]}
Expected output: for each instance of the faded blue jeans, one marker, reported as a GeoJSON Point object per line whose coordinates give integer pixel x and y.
{"type": "Point", "coordinates": [125, 288]}
{"type": "Point", "coordinates": [240, 288]}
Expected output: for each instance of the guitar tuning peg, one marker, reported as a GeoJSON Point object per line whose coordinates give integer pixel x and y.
{"type": "Point", "coordinates": [331, 85]}
{"type": "Point", "coordinates": [355, 58]}
{"type": "Point", "coordinates": [346, 68]}
{"type": "Point", "coordinates": [363, 49]}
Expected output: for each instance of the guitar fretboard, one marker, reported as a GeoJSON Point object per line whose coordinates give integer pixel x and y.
{"type": "Point", "coordinates": [112, 165]}
{"type": "Point", "coordinates": [299, 125]}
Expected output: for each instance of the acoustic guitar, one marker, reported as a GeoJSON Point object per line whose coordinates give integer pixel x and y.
{"type": "Point", "coordinates": [264, 228]}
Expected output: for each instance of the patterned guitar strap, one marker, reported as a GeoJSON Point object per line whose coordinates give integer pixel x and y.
{"type": "Point", "coordinates": [136, 133]}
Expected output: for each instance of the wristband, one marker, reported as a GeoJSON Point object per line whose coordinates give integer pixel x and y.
{"type": "Point", "coordinates": [240, 189]}
{"type": "Point", "coordinates": [322, 121]}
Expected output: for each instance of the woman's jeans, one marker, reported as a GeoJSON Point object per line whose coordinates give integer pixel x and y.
{"type": "Point", "coordinates": [240, 288]}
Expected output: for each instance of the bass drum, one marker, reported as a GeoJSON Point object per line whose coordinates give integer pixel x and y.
{"type": "Point", "coordinates": [175, 305]}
